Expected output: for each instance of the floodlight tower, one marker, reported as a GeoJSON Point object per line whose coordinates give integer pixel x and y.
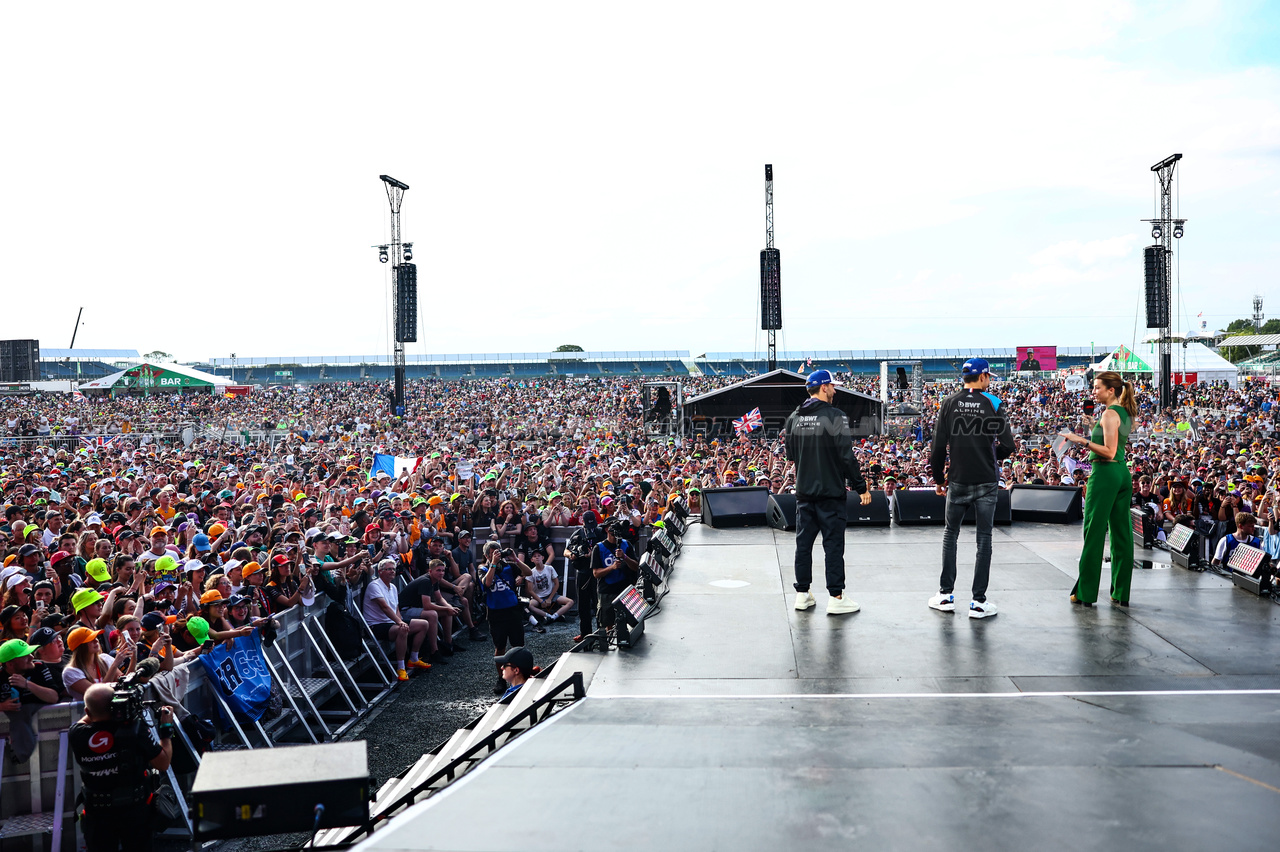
{"type": "Point", "coordinates": [1164, 231]}
{"type": "Point", "coordinates": [770, 275]}
{"type": "Point", "coordinates": [1258, 316]}
{"type": "Point", "coordinates": [405, 310]}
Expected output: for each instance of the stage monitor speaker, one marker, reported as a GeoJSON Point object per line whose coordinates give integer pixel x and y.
{"type": "Point", "coordinates": [1144, 528]}
{"type": "Point", "coordinates": [1250, 569]}
{"type": "Point", "coordinates": [735, 507]}
{"type": "Point", "coordinates": [1156, 289]}
{"type": "Point", "coordinates": [407, 303]}
{"type": "Point", "coordinates": [782, 511]}
{"type": "Point", "coordinates": [1184, 547]}
{"type": "Point", "coordinates": [1046, 504]}
{"type": "Point", "coordinates": [919, 507]}
{"type": "Point", "coordinates": [874, 514]}
{"type": "Point", "coordinates": [770, 289]}
{"type": "Point", "coordinates": [274, 791]}
{"type": "Point", "coordinates": [1004, 514]}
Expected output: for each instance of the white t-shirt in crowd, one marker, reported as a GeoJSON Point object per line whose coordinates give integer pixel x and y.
{"type": "Point", "coordinates": [377, 591]}
{"type": "Point", "coordinates": [72, 675]}
{"type": "Point", "coordinates": [543, 579]}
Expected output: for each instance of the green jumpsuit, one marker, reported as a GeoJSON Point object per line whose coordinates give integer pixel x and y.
{"type": "Point", "coordinates": [1106, 506]}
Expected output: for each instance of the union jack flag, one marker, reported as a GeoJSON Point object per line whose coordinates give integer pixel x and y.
{"type": "Point", "coordinates": [98, 440]}
{"type": "Point", "coordinates": [748, 422]}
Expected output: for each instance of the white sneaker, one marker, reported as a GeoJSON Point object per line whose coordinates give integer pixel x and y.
{"type": "Point", "coordinates": [841, 605]}
{"type": "Point", "coordinates": [986, 609]}
{"type": "Point", "coordinates": [943, 603]}
{"type": "Point", "coordinates": [805, 600]}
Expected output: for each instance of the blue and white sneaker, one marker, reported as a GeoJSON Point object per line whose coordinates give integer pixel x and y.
{"type": "Point", "coordinates": [985, 609]}
{"type": "Point", "coordinates": [943, 603]}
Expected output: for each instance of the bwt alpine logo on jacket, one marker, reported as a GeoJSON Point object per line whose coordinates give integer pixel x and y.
{"type": "Point", "coordinates": [975, 433]}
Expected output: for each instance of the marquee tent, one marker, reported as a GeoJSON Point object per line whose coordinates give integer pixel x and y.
{"type": "Point", "coordinates": [149, 378]}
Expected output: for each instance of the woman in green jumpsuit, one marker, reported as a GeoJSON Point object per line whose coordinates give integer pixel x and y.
{"type": "Point", "coordinates": [1107, 499]}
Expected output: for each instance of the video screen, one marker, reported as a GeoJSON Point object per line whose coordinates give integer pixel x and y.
{"type": "Point", "coordinates": [1037, 358]}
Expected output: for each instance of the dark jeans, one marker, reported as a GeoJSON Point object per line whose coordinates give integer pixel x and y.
{"type": "Point", "coordinates": [608, 594]}
{"type": "Point", "coordinates": [587, 600]}
{"type": "Point", "coordinates": [828, 517]}
{"type": "Point", "coordinates": [983, 498]}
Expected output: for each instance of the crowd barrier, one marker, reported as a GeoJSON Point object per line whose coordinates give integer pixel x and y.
{"type": "Point", "coordinates": [323, 696]}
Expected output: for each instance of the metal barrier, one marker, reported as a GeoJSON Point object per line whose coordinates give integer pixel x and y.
{"type": "Point", "coordinates": [324, 696]}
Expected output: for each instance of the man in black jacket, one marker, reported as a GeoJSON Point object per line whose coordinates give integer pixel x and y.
{"type": "Point", "coordinates": [973, 429]}
{"type": "Point", "coordinates": [819, 442]}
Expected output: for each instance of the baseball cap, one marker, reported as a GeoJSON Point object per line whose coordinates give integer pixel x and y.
{"type": "Point", "coordinates": [198, 628]}
{"type": "Point", "coordinates": [250, 569]}
{"type": "Point", "coordinates": [521, 658]}
{"type": "Point", "coordinates": [79, 636]}
{"type": "Point", "coordinates": [97, 569]}
{"type": "Point", "coordinates": [13, 649]}
{"type": "Point", "coordinates": [975, 367]}
{"type": "Point", "coordinates": [211, 597]}
{"type": "Point", "coordinates": [42, 636]}
{"type": "Point", "coordinates": [153, 620]}
{"type": "Point", "coordinates": [818, 378]}
{"type": "Point", "coordinates": [201, 542]}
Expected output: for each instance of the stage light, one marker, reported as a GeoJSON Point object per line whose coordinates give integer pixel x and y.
{"type": "Point", "coordinates": [1156, 232]}
{"type": "Point", "coordinates": [408, 252]}
{"type": "Point", "coordinates": [1177, 232]}
{"type": "Point", "coordinates": [382, 253]}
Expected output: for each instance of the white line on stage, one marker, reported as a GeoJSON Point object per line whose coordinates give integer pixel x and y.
{"type": "Point", "coordinates": [1155, 693]}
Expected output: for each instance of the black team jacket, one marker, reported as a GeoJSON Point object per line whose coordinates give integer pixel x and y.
{"type": "Point", "coordinates": [821, 445]}
{"type": "Point", "coordinates": [973, 428]}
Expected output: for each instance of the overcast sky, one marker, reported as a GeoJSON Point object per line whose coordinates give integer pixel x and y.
{"type": "Point", "coordinates": [203, 179]}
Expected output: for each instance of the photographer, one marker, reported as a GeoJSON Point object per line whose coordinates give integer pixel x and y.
{"type": "Point", "coordinates": [502, 574]}
{"type": "Point", "coordinates": [614, 566]}
{"type": "Point", "coordinates": [114, 757]}
{"type": "Point", "coordinates": [578, 550]}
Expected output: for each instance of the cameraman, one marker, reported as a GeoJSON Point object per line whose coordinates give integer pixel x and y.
{"type": "Point", "coordinates": [578, 550]}
{"type": "Point", "coordinates": [614, 566]}
{"type": "Point", "coordinates": [114, 757]}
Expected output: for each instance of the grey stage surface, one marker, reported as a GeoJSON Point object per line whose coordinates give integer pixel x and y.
{"type": "Point", "coordinates": [739, 723]}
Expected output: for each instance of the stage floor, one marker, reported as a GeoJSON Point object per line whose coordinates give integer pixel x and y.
{"type": "Point", "coordinates": [738, 723]}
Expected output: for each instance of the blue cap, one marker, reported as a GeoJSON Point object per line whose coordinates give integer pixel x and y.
{"type": "Point", "coordinates": [201, 543]}
{"type": "Point", "coordinates": [819, 377]}
{"type": "Point", "coordinates": [975, 367]}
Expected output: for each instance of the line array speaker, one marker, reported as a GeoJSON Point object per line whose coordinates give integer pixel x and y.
{"type": "Point", "coordinates": [1153, 258]}
{"type": "Point", "coordinates": [407, 303]}
{"type": "Point", "coordinates": [770, 289]}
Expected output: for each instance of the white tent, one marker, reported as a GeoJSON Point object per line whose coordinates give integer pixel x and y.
{"type": "Point", "coordinates": [1196, 362]}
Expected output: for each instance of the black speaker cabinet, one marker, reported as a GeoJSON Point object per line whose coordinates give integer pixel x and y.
{"type": "Point", "coordinates": [250, 793]}
{"type": "Point", "coordinates": [919, 507]}
{"type": "Point", "coordinates": [874, 514]}
{"type": "Point", "coordinates": [782, 511]}
{"type": "Point", "coordinates": [735, 507]}
{"type": "Point", "coordinates": [1047, 504]}
{"type": "Point", "coordinates": [1004, 512]}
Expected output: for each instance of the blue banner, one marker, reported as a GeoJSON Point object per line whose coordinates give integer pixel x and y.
{"type": "Point", "coordinates": [240, 675]}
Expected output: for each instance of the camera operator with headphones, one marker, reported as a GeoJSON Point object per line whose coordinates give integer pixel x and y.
{"type": "Point", "coordinates": [114, 759]}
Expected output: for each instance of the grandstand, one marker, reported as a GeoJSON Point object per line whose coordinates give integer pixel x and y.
{"type": "Point", "coordinates": [83, 365]}
{"type": "Point", "coordinates": [312, 369]}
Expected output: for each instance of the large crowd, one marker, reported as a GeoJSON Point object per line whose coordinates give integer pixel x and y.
{"type": "Point", "coordinates": [138, 541]}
